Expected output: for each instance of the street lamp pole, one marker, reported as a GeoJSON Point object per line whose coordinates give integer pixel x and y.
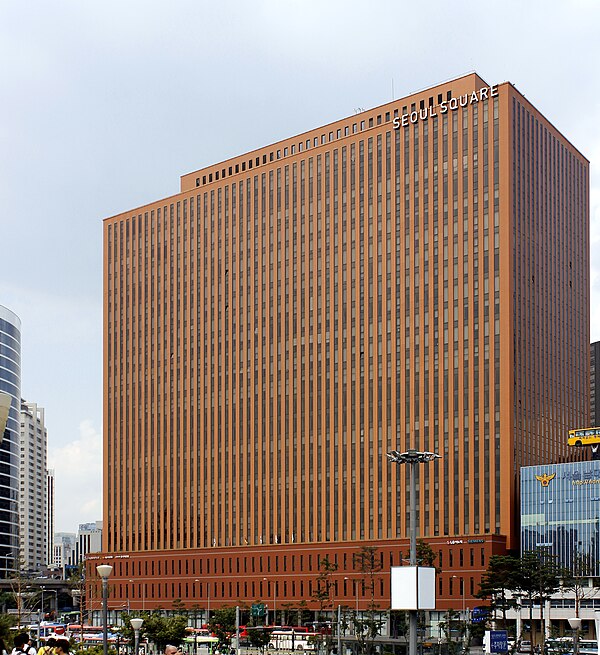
{"type": "Point", "coordinates": [461, 583]}
{"type": "Point", "coordinates": [575, 624]}
{"type": "Point", "coordinates": [274, 600]}
{"type": "Point", "coordinates": [136, 624]}
{"type": "Point", "coordinates": [104, 571]}
{"type": "Point", "coordinates": [208, 598]}
{"type": "Point", "coordinates": [412, 458]}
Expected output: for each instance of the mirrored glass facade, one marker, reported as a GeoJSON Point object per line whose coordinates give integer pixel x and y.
{"type": "Point", "coordinates": [10, 384]}
{"type": "Point", "coordinates": [560, 512]}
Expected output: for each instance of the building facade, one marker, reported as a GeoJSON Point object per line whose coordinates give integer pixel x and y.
{"type": "Point", "coordinates": [560, 513]}
{"type": "Point", "coordinates": [89, 540]}
{"type": "Point", "coordinates": [594, 384]}
{"type": "Point", "coordinates": [414, 276]}
{"type": "Point", "coordinates": [10, 385]}
{"type": "Point", "coordinates": [64, 547]}
{"type": "Point", "coordinates": [33, 501]}
{"type": "Point", "coordinates": [50, 507]}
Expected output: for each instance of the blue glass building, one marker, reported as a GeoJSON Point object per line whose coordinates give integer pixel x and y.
{"type": "Point", "coordinates": [10, 385]}
{"type": "Point", "coordinates": [560, 511]}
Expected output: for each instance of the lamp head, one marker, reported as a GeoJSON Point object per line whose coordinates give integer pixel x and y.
{"type": "Point", "coordinates": [411, 457]}
{"type": "Point", "coordinates": [104, 570]}
{"type": "Point", "coordinates": [136, 624]}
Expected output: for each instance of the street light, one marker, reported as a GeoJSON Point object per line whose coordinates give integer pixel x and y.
{"type": "Point", "coordinates": [136, 624]}
{"type": "Point", "coordinates": [104, 570]}
{"type": "Point", "coordinates": [355, 584]}
{"type": "Point", "coordinates": [274, 599]}
{"type": "Point", "coordinates": [207, 599]}
{"type": "Point", "coordinates": [575, 624]}
{"type": "Point", "coordinates": [412, 457]}
{"type": "Point", "coordinates": [462, 588]}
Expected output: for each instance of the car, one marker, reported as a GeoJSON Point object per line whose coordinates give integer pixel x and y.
{"type": "Point", "coordinates": [524, 646]}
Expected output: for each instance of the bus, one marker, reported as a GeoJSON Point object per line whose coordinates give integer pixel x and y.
{"type": "Point", "coordinates": [49, 629]}
{"type": "Point", "coordinates": [199, 638]}
{"type": "Point", "coordinates": [92, 634]}
{"type": "Point", "coordinates": [564, 646]}
{"type": "Point", "coordinates": [293, 639]}
{"type": "Point", "coordinates": [584, 437]}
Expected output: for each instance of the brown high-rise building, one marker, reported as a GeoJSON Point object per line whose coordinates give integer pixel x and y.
{"type": "Point", "coordinates": [414, 276]}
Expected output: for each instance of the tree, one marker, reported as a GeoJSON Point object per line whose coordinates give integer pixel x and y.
{"type": "Point", "coordinates": [323, 595]}
{"type": "Point", "coordinates": [161, 630]}
{"type": "Point", "coordinates": [537, 579]}
{"type": "Point", "coordinates": [20, 587]}
{"type": "Point", "coordinates": [496, 583]}
{"type": "Point", "coordinates": [259, 637]}
{"type": "Point", "coordinates": [368, 626]}
{"type": "Point", "coordinates": [77, 584]}
{"type": "Point", "coordinates": [222, 625]}
{"type": "Point", "coordinates": [7, 622]}
{"type": "Point", "coordinates": [426, 556]}
{"type": "Point", "coordinates": [456, 633]}
{"type": "Point", "coordinates": [577, 578]}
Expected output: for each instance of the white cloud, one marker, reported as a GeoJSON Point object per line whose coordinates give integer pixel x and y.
{"type": "Point", "coordinates": [78, 478]}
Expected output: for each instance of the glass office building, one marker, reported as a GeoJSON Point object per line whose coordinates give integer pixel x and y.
{"type": "Point", "coordinates": [10, 385]}
{"type": "Point", "coordinates": [560, 512]}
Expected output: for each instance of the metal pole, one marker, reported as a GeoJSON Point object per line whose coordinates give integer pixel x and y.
{"type": "Point", "coordinates": [237, 630]}
{"type": "Point", "coordinates": [339, 622]}
{"type": "Point", "coordinates": [412, 633]}
{"type": "Point", "coordinates": [136, 642]}
{"type": "Point", "coordinates": [105, 616]}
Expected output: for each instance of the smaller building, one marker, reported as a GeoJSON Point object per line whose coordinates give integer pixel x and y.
{"type": "Point", "coordinates": [89, 540]}
{"type": "Point", "coordinates": [33, 502]}
{"type": "Point", "coordinates": [64, 545]}
{"type": "Point", "coordinates": [50, 496]}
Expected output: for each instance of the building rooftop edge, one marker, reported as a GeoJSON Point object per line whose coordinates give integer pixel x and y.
{"type": "Point", "coordinates": [10, 316]}
{"type": "Point", "coordinates": [337, 120]}
{"type": "Point", "coordinates": [326, 126]}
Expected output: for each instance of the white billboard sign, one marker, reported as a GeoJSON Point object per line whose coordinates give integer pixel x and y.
{"type": "Point", "coordinates": [413, 588]}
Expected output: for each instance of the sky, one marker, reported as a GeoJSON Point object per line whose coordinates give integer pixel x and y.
{"type": "Point", "coordinates": [103, 105]}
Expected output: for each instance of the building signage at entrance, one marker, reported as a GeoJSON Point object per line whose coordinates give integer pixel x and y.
{"type": "Point", "coordinates": [453, 104]}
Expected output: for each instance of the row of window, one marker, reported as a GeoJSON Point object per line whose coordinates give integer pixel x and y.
{"type": "Point", "coordinates": [316, 141]}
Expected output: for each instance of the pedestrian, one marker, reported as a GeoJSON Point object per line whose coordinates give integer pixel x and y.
{"type": "Point", "coordinates": [22, 646]}
{"type": "Point", "coordinates": [48, 647]}
{"type": "Point", "coordinates": [172, 650]}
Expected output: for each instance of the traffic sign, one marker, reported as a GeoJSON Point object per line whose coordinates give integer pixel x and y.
{"type": "Point", "coordinates": [498, 641]}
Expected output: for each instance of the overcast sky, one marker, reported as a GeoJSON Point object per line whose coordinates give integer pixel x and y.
{"type": "Point", "coordinates": [105, 104]}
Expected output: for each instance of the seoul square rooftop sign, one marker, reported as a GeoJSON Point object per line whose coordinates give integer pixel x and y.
{"type": "Point", "coordinates": [446, 105]}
